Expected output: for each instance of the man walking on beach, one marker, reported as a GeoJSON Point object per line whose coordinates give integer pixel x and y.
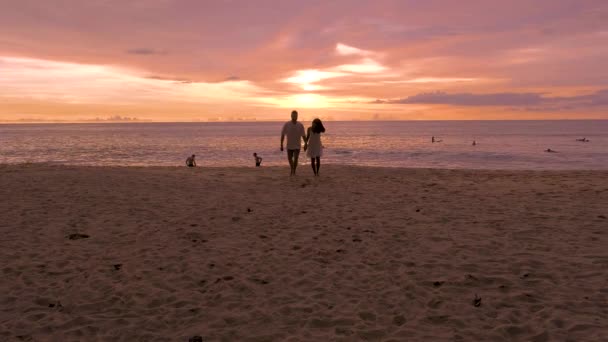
{"type": "Point", "coordinates": [294, 132]}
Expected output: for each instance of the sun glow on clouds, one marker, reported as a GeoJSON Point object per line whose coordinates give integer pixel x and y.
{"type": "Point", "coordinates": [83, 83]}
{"type": "Point", "coordinates": [73, 83]}
{"type": "Point", "coordinates": [365, 66]}
{"type": "Point", "coordinates": [315, 101]}
{"type": "Point", "coordinates": [345, 50]}
{"type": "Point", "coordinates": [308, 79]}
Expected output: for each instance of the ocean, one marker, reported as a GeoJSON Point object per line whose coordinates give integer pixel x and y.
{"type": "Point", "coordinates": [512, 145]}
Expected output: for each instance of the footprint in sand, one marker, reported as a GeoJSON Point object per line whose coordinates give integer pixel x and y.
{"type": "Point", "coordinates": [367, 316]}
{"type": "Point", "coordinates": [399, 320]}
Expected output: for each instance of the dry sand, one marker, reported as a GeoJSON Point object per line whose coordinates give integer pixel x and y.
{"type": "Point", "coordinates": [254, 255]}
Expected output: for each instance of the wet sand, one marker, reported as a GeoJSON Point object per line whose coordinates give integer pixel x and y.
{"type": "Point", "coordinates": [245, 254]}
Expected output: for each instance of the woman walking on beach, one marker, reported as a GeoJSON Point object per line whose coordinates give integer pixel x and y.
{"type": "Point", "coordinates": [315, 148]}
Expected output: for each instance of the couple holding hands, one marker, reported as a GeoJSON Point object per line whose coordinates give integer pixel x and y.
{"type": "Point", "coordinates": [294, 131]}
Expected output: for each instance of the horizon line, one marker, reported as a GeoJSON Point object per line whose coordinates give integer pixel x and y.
{"type": "Point", "coordinates": [24, 122]}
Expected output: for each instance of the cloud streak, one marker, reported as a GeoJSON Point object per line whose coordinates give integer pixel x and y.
{"type": "Point", "coordinates": [145, 51]}
{"type": "Point", "coordinates": [534, 101]}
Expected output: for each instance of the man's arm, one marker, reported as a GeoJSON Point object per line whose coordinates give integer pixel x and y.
{"type": "Point", "coordinates": [305, 137]}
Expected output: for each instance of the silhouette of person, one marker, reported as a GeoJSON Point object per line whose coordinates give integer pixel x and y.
{"type": "Point", "coordinates": [294, 131]}
{"type": "Point", "coordinates": [315, 147]}
{"type": "Point", "coordinates": [191, 162]}
{"type": "Point", "coordinates": [258, 160]}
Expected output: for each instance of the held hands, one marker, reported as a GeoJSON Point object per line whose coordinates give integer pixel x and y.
{"type": "Point", "coordinates": [281, 148]}
{"type": "Point", "coordinates": [305, 147]}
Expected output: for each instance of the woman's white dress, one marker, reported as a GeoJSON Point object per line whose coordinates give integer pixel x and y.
{"type": "Point", "coordinates": [315, 148]}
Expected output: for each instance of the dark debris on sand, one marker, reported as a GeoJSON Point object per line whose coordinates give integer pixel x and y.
{"type": "Point", "coordinates": [259, 281]}
{"type": "Point", "coordinates": [78, 236]}
{"type": "Point", "coordinates": [195, 338]}
{"type": "Point", "coordinates": [477, 301]}
{"type": "Point", "coordinates": [58, 305]}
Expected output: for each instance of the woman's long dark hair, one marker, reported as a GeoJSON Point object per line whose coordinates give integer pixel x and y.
{"type": "Point", "coordinates": [317, 126]}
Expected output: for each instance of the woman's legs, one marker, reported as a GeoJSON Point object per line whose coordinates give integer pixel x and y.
{"type": "Point", "coordinates": [312, 163]}
{"type": "Point", "coordinates": [318, 165]}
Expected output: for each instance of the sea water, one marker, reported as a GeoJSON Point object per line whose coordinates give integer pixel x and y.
{"type": "Point", "coordinates": [499, 144]}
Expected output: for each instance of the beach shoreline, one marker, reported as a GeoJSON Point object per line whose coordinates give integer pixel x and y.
{"type": "Point", "coordinates": [251, 254]}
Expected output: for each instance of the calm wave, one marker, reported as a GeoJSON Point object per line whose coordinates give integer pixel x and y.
{"type": "Point", "coordinates": [500, 144]}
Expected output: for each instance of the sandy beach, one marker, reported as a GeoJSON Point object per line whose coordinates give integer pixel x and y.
{"type": "Point", "coordinates": [245, 254]}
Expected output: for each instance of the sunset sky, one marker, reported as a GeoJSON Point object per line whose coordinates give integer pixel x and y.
{"type": "Point", "coordinates": [180, 60]}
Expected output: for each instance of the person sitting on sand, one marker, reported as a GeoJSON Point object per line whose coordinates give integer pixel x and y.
{"type": "Point", "coordinates": [474, 143]}
{"type": "Point", "coordinates": [315, 148]}
{"type": "Point", "coordinates": [258, 160]}
{"type": "Point", "coordinates": [191, 162]}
